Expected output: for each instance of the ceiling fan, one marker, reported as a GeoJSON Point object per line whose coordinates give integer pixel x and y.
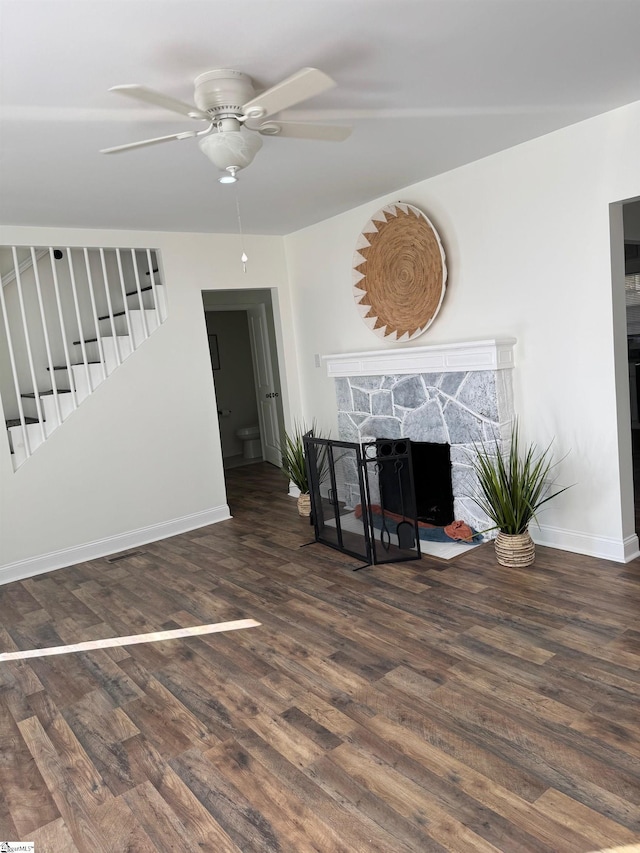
{"type": "Point", "coordinates": [227, 101]}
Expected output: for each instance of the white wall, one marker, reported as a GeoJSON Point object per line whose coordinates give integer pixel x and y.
{"type": "Point", "coordinates": [526, 233]}
{"type": "Point", "coordinates": [141, 457]}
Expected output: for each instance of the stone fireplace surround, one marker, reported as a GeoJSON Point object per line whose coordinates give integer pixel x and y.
{"type": "Point", "coordinates": [459, 393]}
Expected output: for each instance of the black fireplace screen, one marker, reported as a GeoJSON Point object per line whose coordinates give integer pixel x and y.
{"type": "Point", "coordinates": [375, 520]}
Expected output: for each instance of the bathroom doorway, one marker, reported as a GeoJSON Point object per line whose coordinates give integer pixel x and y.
{"type": "Point", "coordinates": [631, 230]}
{"type": "Point", "coordinates": [244, 361]}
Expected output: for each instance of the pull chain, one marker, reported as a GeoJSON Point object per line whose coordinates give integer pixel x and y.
{"type": "Point", "coordinates": [243, 257]}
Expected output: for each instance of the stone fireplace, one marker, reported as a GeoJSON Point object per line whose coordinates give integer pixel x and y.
{"type": "Point", "coordinates": [457, 394]}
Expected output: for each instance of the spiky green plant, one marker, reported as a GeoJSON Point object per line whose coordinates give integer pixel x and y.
{"type": "Point", "coordinates": [513, 486]}
{"type": "Point", "coordinates": [293, 460]}
{"type": "Point", "coordinates": [293, 457]}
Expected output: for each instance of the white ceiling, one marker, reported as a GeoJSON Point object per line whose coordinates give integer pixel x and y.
{"type": "Point", "coordinates": [427, 84]}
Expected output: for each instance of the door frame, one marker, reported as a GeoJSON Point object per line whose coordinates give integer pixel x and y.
{"type": "Point", "coordinates": [275, 370]}
{"type": "Point", "coordinates": [621, 380]}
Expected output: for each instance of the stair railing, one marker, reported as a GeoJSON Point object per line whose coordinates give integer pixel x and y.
{"type": "Point", "coordinates": [50, 303]}
{"type": "Point", "coordinates": [136, 274]}
{"type": "Point", "coordinates": [96, 322]}
{"type": "Point", "coordinates": [47, 342]}
{"type": "Point", "coordinates": [63, 329]}
{"type": "Point", "coordinates": [112, 320]}
{"type": "Point", "coordinates": [153, 285]}
{"type": "Point", "coordinates": [124, 294]}
{"type": "Point", "coordinates": [76, 306]}
{"type": "Point", "coordinates": [27, 338]}
{"type": "Point", "coordinates": [12, 361]}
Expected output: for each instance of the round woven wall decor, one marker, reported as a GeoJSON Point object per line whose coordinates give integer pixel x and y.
{"type": "Point", "coordinates": [399, 273]}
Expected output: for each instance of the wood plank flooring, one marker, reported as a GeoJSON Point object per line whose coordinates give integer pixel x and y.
{"type": "Point", "coordinates": [406, 708]}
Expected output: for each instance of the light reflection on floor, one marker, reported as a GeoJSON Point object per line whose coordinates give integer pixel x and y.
{"type": "Point", "coordinates": [133, 639]}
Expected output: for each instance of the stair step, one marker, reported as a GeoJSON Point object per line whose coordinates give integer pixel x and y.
{"type": "Point", "coordinates": [31, 395]}
{"type": "Point", "coordinates": [16, 422]}
{"type": "Point", "coordinates": [122, 313]}
{"type": "Point", "coordinates": [115, 314]}
{"type": "Point", "coordinates": [95, 341]}
{"type": "Point", "coordinates": [143, 289]}
{"type": "Point", "coordinates": [135, 327]}
{"type": "Point", "coordinates": [76, 364]}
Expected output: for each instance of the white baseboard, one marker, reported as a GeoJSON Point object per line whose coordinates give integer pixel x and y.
{"type": "Point", "coordinates": [603, 547]}
{"type": "Point", "coordinates": [113, 545]}
{"type": "Point", "coordinates": [294, 491]}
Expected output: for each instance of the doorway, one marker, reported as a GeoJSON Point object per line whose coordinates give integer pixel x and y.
{"type": "Point", "coordinates": [244, 361]}
{"type": "Point", "coordinates": [631, 228]}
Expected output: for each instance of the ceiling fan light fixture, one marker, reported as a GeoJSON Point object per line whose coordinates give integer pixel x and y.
{"type": "Point", "coordinates": [229, 176]}
{"type": "Point", "coordinates": [227, 148]}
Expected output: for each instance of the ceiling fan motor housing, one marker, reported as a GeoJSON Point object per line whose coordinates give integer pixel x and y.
{"type": "Point", "coordinates": [223, 91]}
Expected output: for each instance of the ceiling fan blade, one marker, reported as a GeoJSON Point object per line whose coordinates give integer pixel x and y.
{"type": "Point", "coordinates": [299, 130]}
{"type": "Point", "coordinates": [302, 85]}
{"type": "Point", "coordinates": [185, 135]}
{"type": "Point", "coordinates": [150, 96]}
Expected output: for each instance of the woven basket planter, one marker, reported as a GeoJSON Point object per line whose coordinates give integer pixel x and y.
{"type": "Point", "coordinates": [515, 550]}
{"type": "Point", "coordinates": [304, 505]}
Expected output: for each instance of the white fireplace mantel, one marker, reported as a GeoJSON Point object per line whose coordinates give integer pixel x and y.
{"type": "Point", "coordinates": [494, 354]}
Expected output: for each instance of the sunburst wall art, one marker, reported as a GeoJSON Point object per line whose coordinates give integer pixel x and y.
{"type": "Point", "coordinates": [399, 272]}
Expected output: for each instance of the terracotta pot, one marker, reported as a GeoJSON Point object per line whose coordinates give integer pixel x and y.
{"type": "Point", "coordinates": [304, 505]}
{"type": "Point", "coordinates": [515, 550]}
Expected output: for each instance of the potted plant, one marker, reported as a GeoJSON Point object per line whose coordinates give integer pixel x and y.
{"type": "Point", "coordinates": [294, 465]}
{"type": "Point", "coordinates": [512, 487]}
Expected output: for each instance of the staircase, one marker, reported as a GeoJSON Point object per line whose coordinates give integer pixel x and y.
{"type": "Point", "coordinates": [66, 332]}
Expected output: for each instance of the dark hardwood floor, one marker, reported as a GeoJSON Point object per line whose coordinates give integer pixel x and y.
{"type": "Point", "coordinates": [413, 707]}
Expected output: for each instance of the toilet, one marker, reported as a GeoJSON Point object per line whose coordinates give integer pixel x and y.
{"type": "Point", "coordinates": [250, 438]}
